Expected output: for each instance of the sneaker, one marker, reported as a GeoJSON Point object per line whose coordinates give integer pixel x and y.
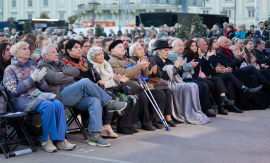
{"type": "Point", "coordinates": [98, 141]}
{"type": "Point", "coordinates": [66, 147]}
{"type": "Point", "coordinates": [116, 106]}
{"type": "Point", "coordinates": [48, 149]}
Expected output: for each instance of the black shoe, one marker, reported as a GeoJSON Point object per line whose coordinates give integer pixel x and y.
{"type": "Point", "coordinates": [149, 128]}
{"type": "Point", "coordinates": [225, 101]}
{"type": "Point", "coordinates": [252, 91]}
{"type": "Point", "coordinates": [209, 114]}
{"type": "Point", "coordinates": [158, 125]}
{"type": "Point", "coordinates": [171, 123]}
{"type": "Point", "coordinates": [233, 108]}
{"type": "Point", "coordinates": [124, 130]}
{"type": "Point", "coordinates": [133, 129]}
{"type": "Point", "coordinates": [222, 111]}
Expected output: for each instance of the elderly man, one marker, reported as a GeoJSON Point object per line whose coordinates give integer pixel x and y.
{"type": "Point", "coordinates": [147, 114]}
{"type": "Point", "coordinates": [105, 43]}
{"type": "Point", "coordinates": [162, 32]}
{"type": "Point", "coordinates": [55, 32]}
{"type": "Point", "coordinates": [261, 55]}
{"type": "Point", "coordinates": [126, 40]}
{"type": "Point", "coordinates": [84, 94]}
{"type": "Point", "coordinates": [226, 58]}
{"type": "Point", "coordinates": [70, 31]}
{"type": "Point", "coordinates": [78, 38]}
{"type": "Point", "coordinates": [95, 41]}
{"type": "Point", "coordinates": [261, 33]}
{"type": "Point", "coordinates": [39, 32]}
{"type": "Point", "coordinates": [239, 43]}
{"type": "Point", "coordinates": [142, 27]}
{"type": "Point", "coordinates": [41, 44]}
{"type": "Point", "coordinates": [6, 32]}
{"type": "Point", "coordinates": [47, 34]}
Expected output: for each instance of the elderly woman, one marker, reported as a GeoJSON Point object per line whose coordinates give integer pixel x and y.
{"type": "Point", "coordinates": [124, 125]}
{"type": "Point", "coordinates": [119, 64]}
{"type": "Point", "coordinates": [84, 94]}
{"type": "Point", "coordinates": [185, 95]}
{"type": "Point", "coordinates": [136, 52]}
{"type": "Point", "coordinates": [21, 79]}
{"type": "Point", "coordinates": [5, 58]}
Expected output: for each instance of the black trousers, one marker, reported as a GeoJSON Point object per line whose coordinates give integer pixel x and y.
{"type": "Point", "coordinates": [204, 94]}
{"type": "Point", "coordinates": [147, 113]}
{"type": "Point", "coordinates": [232, 84]}
{"type": "Point", "coordinates": [216, 86]}
{"type": "Point", "coordinates": [130, 116]}
{"type": "Point", "coordinates": [168, 103]}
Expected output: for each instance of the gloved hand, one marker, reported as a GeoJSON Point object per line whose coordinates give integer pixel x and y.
{"type": "Point", "coordinates": [41, 74]}
{"type": "Point", "coordinates": [34, 74]}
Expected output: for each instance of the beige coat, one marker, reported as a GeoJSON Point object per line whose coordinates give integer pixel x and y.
{"type": "Point", "coordinates": [119, 67]}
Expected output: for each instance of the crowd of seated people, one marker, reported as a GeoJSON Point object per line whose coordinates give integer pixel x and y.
{"type": "Point", "coordinates": [188, 78]}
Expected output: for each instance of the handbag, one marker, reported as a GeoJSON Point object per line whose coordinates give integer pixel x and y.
{"type": "Point", "coordinates": [128, 88]}
{"type": "Point", "coordinates": [156, 81]}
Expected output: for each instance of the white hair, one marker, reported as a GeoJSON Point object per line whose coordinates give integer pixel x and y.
{"type": "Point", "coordinates": [175, 40]}
{"type": "Point", "coordinates": [151, 43]}
{"type": "Point", "coordinates": [155, 53]}
{"type": "Point", "coordinates": [220, 39]}
{"type": "Point", "coordinates": [145, 43]}
{"type": "Point", "coordinates": [231, 48]}
{"type": "Point", "coordinates": [91, 53]}
{"type": "Point", "coordinates": [225, 23]}
{"type": "Point", "coordinates": [132, 48]}
{"type": "Point", "coordinates": [16, 47]}
{"type": "Point", "coordinates": [78, 38]}
{"type": "Point", "coordinates": [45, 49]}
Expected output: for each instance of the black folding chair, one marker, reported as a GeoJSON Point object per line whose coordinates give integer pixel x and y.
{"type": "Point", "coordinates": [74, 117]}
{"type": "Point", "coordinates": [17, 124]}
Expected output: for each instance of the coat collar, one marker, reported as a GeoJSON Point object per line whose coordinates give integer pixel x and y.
{"type": "Point", "coordinates": [17, 63]}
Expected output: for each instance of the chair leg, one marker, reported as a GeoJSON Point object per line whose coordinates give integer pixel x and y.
{"type": "Point", "coordinates": [6, 155]}
{"type": "Point", "coordinates": [78, 124]}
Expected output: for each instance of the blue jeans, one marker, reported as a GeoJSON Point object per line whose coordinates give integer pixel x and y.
{"type": "Point", "coordinates": [53, 120]}
{"type": "Point", "coordinates": [86, 95]}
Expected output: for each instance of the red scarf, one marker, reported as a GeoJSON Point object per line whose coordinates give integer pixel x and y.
{"type": "Point", "coordinates": [82, 65]}
{"type": "Point", "coordinates": [227, 51]}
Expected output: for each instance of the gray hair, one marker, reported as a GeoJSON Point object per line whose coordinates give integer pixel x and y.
{"type": "Point", "coordinates": [45, 49]}
{"type": "Point", "coordinates": [198, 41]}
{"type": "Point", "coordinates": [91, 53]}
{"type": "Point", "coordinates": [16, 47]}
{"type": "Point", "coordinates": [231, 48]}
{"type": "Point", "coordinates": [220, 39]}
{"type": "Point", "coordinates": [175, 40]}
{"type": "Point", "coordinates": [155, 53]}
{"type": "Point", "coordinates": [151, 43]}
{"type": "Point", "coordinates": [78, 38]}
{"type": "Point", "coordinates": [225, 23]}
{"type": "Point", "coordinates": [132, 48]}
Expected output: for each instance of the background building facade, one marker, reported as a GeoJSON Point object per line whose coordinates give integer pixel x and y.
{"type": "Point", "coordinates": [239, 11]}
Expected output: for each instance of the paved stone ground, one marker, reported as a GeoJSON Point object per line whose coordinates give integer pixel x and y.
{"type": "Point", "coordinates": [236, 138]}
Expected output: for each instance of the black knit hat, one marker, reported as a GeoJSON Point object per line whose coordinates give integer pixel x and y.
{"type": "Point", "coordinates": [160, 44]}
{"type": "Point", "coordinates": [114, 44]}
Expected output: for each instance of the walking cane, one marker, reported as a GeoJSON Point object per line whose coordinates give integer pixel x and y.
{"type": "Point", "coordinates": [155, 106]}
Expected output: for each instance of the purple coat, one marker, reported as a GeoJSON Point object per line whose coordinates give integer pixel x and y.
{"type": "Point", "coordinates": [20, 85]}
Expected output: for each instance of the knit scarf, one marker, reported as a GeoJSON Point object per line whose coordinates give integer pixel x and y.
{"type": "Point", "coordinates": [82, 65]}
{"type": "Point", "coordinates": [227, 51]}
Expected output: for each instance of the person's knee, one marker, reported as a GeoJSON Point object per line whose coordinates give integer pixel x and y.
{"type": "Point", "coordinates": [48, 106]}
{"type": "Point", "coordinates": [58, 104]}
